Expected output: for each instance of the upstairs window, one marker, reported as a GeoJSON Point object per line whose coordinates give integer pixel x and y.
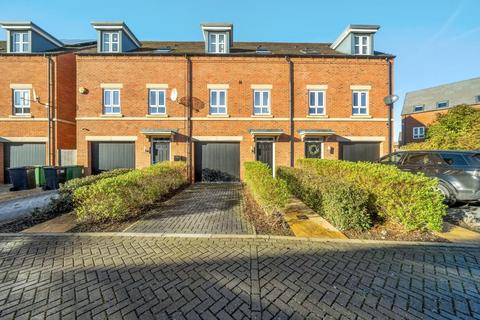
{"type": "Point", "coordinates": [111, 101]}
{"type": "Point", "coordinates": [216, 42]}
{"type": "Point", "coordinates": [156, 101]}
{"type": "Point", "coordinates": [316, 102]}
{"type": "Point", "coordinates": [418, 132]}
{"type": "Point", "coordinates": [361, 45]}
{"type": "Point", "coordinates": [261, 102]}
{"type": "Point", "coordinates": [20, 41]}
{"type": "Point", "coordinates": [110, 42]}
{"type": "Point", "coordinates": [442, 104]}
{"type": "Point", "coordinates": [360, 103]}
{"type": "Point", "coordinates": [21, 101]}
{"type": "Point", "coordinates": [218, 101]}
{"type": "Point", "coordinates": [418, 108]}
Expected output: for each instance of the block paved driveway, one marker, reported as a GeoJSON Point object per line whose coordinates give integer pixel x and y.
{"type": "Point", "coordinates": [140, 277]}
{"type": "Point", "coordinates": [204, 208]}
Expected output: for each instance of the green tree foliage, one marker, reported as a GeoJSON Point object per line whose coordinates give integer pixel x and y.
{"type": "Point", "coordinates": [458, 129]}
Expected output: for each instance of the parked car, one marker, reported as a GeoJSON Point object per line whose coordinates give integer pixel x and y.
{"type": "Point", "coordinates": [458, 171]}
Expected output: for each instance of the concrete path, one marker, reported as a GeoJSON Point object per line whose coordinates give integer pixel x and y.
{"type": "Point", "coordinates": [21, 207]}
{"type": "Point", "coordinates": [111, 276]}
{"type": "Point", "coordinates": [206, 208]}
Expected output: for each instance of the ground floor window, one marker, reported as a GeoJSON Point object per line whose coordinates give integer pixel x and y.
{"type": "Point", "coordinates": [418, 132]}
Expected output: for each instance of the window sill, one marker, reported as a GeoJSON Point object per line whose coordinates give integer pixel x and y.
{"type": "Point", "coordinates": [218, 116]}
{"type": "Point", "coordinates": [26, 115]}
{"type": "Point", "coordinates": [262, 116]}
{"type": "Point", "coordinates": [317, 116]}
{"type": "Point", "coordinates": [111, 115]}
{"type": "Point", "coordinates": [361, 116]}
{"type": "Point", "coordinates": [160, 115]}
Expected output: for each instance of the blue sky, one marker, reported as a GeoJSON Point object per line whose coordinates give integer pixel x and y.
{"type": "Point", "coordinates": [435, 42]}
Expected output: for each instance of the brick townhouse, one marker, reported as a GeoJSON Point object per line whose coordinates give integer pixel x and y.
{"type": "Point", "coordinates": [37, 97]}
{"type": "Point", "coordinates": [218, 103]}
{"type": "Point", "coordinates": [421, 107]}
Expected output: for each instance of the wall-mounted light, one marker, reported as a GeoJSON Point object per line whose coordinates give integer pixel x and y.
{"type": "Point", "coordinates": [83, 90]}
{"type": "Point", "coordinates": [85, 129]}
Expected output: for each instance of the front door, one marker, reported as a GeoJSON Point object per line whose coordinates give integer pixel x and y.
{"type": "Point", "coordinates": [160, 150]}
{"type": "Point", "coordinates": [264, 152]}
{"type": "Point", "coordinates": [313, 149]}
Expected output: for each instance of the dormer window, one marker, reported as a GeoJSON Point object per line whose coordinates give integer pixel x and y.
{"type": "Point", "coordinates": [110, 41]}
{"type": "Point", "coordinates": [361, 44]}
{"type": "Point", "coordinates": [216, 42]}
{"type": "Point", "coordinates": [20, 41]}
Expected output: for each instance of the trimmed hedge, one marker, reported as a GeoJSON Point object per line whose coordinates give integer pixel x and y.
{"type": "Point", "coordinates": [119, 197]}
{"type": "Point", "coordinates": [402, 197]}
{"type": "Point", "coordinates": [271, 194]}
{"type": "Point", "coordinates": [74, 184]}
{"type": "Point", "coordinates": [340, 202]}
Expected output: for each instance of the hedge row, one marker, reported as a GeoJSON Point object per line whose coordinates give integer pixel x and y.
{"type": "Point", "coordinates": [271, 194]}
{"type": "Point", "coordinates": [123, 196]}
{"type": "Point", "coordinates": [402, 197]}
{"type": "Point", "coordinates": [340, 202]}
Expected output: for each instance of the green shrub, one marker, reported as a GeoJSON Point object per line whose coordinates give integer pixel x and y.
{"type": "Point", "coordinates": [72, 185]}
{"type": "Point", "coordinates": [271, 194]}
{"type": "Point", "coordinates": [119, 197]}
{"type": "Point", "coordinates": [398, 196]}
{"type": "Point", "coordinates": [340, 202]}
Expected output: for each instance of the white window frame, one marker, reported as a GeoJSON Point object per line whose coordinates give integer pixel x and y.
{"type": "Point", "coordinates": [21, 42]}
{"type": "Point", "coordinates": [216, 43]}
{"type": "Point", "coordinates": [217, 106]}
{"type": "Point", "coordinates": [110, 41]}
{"type": "Point", "coordinates": [24, 105]}
{"type": "Point", "coordinates": [159, 104]}
{"type": "Point", "coordinates": [316, 106]}
{"type": "Point", "coordinates": [422, 106]}
{"type": "Point", "coordinates": [360, 107]}
{"type": "Point", "coordinates": [360, 46]}
{"type": "Point", "coordinates": [110, 91]}
{"type": "Point", "coordinates": [418, 133]}
{"type": "Point", "coordinates": [261, 106]}
{"type": "Point", "coordinates": [439, 102]}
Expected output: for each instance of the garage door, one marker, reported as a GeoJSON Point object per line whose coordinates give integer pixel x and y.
{"type": "Point", "coordinates": [360, 151]}
{"type": "Point", "coordinates": [217, 161]}
{"type": "Point", "coordinates": [23, 154]}
{"type": "Point", "coordinates": [112, 155]}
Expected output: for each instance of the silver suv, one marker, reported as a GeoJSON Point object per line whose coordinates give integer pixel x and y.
{"type": "Point", "coordinates": [458, 171]}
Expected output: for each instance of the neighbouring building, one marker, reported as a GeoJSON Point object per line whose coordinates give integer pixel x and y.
{"type": "Point", "coordinates": [218, 103]}
{"type": "Point", "coordinates": [421, 107]}
{"type": "Point", "coordinates": [37, 97]}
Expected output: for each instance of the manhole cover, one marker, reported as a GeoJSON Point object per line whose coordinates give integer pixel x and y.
{"type": "Point", "coordinates": [302, 217]}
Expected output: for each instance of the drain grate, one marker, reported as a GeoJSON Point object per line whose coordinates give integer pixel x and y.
{"type": "Point", "coordinates": [302, 217]}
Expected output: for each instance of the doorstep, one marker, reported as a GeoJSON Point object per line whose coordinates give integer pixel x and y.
{"type": "Point", "coordinates": [459, 235]}
{"type": "Point", "coordinates": [63, 223]}
{"type": "Point", "coordinates": [304, 222]}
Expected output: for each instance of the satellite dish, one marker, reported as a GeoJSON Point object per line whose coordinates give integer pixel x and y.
{"type": "Point", "coordinates": [35, 98]}
{"type": "Point", "coordinates": [390, 99]}
{"type": "Point", "coordinates": [174, 95]}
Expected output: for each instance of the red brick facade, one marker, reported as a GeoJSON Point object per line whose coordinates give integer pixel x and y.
{"type": "Point", "coordinates": [30, 71]}
{"type": "Point", "coordinates": [239, 74]}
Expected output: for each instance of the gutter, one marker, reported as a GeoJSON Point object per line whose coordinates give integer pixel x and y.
{"type": "Point", "coordinates": [49, 108]}
{"type": "Point", "coordinates": [390, 107]}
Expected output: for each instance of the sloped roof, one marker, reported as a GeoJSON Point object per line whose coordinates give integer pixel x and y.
{"type": "Point", "coordinates": [456, 93]}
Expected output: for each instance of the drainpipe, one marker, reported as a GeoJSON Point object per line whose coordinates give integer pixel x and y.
{"type": "Point", "coordinates": [49, 112]}
{"type": "Point", "coordinates": [189, 119]}
{"type": "Point", "coordinates": [292, 128]}
{"type": "Point", "coordinates": [390, 106]}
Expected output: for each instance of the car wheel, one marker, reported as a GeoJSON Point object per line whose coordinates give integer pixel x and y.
{"type": "Point", "coordinates": [447, 194]}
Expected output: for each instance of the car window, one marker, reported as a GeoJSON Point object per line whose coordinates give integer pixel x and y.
{"type": "Point", "coordinates": [392, 158]}
{"type": "Point", "coordinates": [476, 159]}
{"type": "Point", "coordinates": [423, 159]}
{"type": "Point", "coordinates": [454, 159]}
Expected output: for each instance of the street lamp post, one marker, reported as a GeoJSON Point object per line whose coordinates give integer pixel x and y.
{"type": "Point", "coordinates": [389, 101]}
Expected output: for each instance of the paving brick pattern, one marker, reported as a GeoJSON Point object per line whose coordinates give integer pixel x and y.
{"type": "Point", "coordinates": [119, 277]}
{"type": "Point", "coordinates": [201, 208]}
